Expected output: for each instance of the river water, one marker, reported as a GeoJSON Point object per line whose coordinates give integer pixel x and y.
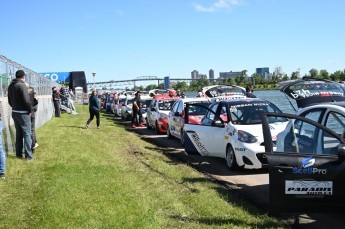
{"type": "Point", "coordinates": [275, 96]}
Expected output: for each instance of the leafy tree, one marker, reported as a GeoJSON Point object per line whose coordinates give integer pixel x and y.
{"type": "Point", "coordinates": [324, 74]}
{"type": "Point", "coordinates": [314, 73]}
{"type": "Point", "coordinates": [294, 75]}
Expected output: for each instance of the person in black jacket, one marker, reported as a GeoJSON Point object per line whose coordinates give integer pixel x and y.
{"type": "Point", "coordinates": [19, 100]}
{"type": "Point", "coordinates": [34, 105]}
{"type": "Point", "coordinates": [94, 107]}
{"type": "Point", "coordinates": [56, 101]}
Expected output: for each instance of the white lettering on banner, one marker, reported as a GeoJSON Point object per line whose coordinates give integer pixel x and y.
{"type": "Point", "coordinates": [54, 77]}
{"type": "Point", "coordinates": [301, 187]}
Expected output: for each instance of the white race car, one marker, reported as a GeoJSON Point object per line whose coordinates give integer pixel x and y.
{"type": "Point", "coordinates": [231, 129]}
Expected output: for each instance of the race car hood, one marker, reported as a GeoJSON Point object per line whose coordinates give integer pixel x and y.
{"type": "Point", "coordinates": [309, 91]}
{"type": "Point", "coordinates": [256, 130]}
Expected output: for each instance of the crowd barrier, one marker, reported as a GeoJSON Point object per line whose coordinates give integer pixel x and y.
{"type": "Point", "coordinates": [43, 88]}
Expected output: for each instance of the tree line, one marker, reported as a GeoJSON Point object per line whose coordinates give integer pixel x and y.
{"type": "Point", "coordinates": [255, 80]}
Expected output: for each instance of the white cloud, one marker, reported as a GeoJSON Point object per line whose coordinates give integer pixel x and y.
{"type": "Point", "coordinates": [217, 5]}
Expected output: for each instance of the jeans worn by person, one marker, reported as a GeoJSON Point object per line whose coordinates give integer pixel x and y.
{"type": "Point", "coordinates": [22, 123]}
{"type": "Point", "coordinates": [2, 156]}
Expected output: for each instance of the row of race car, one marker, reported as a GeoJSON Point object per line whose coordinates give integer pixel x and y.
{"type": "Point", "coordinates": [304, 153]}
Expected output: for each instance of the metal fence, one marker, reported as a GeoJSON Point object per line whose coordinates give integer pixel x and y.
{"type": "Point", "coordinates": [43, 88]}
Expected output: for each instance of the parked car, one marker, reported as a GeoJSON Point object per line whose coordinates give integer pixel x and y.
{"type": "Point", "coordinates": [126, 109]}
{"type": "Point", "coordinates": [145, 103]}
{"type": "Point", "coordinates": [109, 103]}
{"type": "Point", "coordinates": [230, 129]}
{"type": "Point", "coordinates": [177, 114]}
{"type": "Point", "coordinates": [118, 104]}
{"type": "Point", "coordinates": [157, 114]}
{"type": "Point", "coordinates": [307, 158]}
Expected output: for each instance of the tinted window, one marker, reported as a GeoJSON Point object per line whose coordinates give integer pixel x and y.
{"type": "Point", "coordinates": [174, 108]}
{"type": "Point", "coordinates": [250, 113]}
{"type": "Point", "coordinates": [336, 122]}
{"type": "Point", "coordinates": [165, 105]}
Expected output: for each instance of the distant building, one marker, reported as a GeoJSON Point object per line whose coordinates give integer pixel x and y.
{"type": "Point", "coordinates": [211, 75]}
{"type": "Point", "coordinates": [227, 75]}
{"type": "Point", "coordinates": [263, 72]}
{"type": "Point", "coordinates": [195, 74]}
{"type": "Point", "coordinates": [202, 76]}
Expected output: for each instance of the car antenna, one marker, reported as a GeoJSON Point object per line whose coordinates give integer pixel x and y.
{"type": "Point", "coordinates": [290, 102]}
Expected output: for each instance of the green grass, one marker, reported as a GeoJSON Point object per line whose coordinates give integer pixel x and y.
{"type": "Point", "coordinates": [110, 178]}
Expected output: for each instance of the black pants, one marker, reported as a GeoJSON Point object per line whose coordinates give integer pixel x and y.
{"type": "Point", "coordinates": [57, 108]}
{"type": "Point", "coordinates": [33, 132]}
{"type": "Point", "coordinates": [94, 113]}
{"type": "Point", "coordinates": [135, 117]}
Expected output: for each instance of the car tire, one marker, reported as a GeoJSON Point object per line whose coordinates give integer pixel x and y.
{"type": "Point", "coordinates": [230, 158]}
{"type": "Point", "coordinates": [168, 133]}
{"type": "Point", "coordinates": [148, 125]}
{"type": "Point", "coordinates": [157, 129]}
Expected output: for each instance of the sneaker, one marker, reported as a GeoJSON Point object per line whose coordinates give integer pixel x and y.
{"type": "Point", "coordinates": [86, 127]}
{"type": "Point", "coordinates": [98, 127]}
{"type": "Point", "coordinates": [36, 145]}
{"type": "Point", "coordinates": [141, 125]}
{"type": "Point", "coordinates": [134, 126]}
{"type": "Point", "coordinates": [2, 175]}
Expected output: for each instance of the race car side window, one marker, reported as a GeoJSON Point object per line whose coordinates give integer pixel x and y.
{"type": "Point", "coordinates": [314, 114]}
{"type": "Point", "coordinates": [336, 122]}
{"type": "Point", "coordinates": [210, 115]}
{"type": "Point", "coordinates": [180, 107]}
{"type": "Point", "coordinates": [174, 108]}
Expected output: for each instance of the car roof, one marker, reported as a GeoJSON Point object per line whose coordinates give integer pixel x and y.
{"type": "Point", "coordinates": [244, 101]}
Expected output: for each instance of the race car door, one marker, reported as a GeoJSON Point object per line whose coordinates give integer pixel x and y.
{"type": "Point", "coordinates": [206, 139]}
{"type": "Point", "coordinates": [306, 166]}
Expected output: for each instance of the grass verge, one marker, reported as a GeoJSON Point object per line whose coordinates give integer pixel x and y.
{"type": "Point", "coordinates": [110, 178]}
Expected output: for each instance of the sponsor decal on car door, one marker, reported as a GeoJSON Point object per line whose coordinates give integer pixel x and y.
{"type": "Point", "coordinates": [306, 169]}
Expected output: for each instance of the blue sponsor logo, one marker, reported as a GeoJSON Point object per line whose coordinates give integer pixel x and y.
{"type": "Point", "coordinates": [306, 167]}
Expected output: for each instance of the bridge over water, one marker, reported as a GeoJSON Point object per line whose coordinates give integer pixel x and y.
{"type": "Point", "coordinates": [112, 84]}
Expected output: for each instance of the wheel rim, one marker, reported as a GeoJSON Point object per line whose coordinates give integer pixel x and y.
{"type": "Point", "coordinates": [230, 157]}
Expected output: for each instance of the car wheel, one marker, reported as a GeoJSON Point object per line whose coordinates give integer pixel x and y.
{"type": "Point", "coordinates": [230, 158]}
{"type": "Point", "coordinates": [148, 125]}
{"type": "Point", "coordinates": [157, 129]}
{"type": "Point", "coordinates": [168, 133]}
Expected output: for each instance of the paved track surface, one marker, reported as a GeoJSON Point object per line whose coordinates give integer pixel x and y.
{"type": "Point", "coordinates": [250, 185]}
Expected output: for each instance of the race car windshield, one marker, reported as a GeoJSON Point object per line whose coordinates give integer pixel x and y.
{"type": "Point", "coordinates": [130, 101]}
{"type": "Point", "coordinates": [250, 113]}
{"type": "Point", "coordinates": [165, 105]}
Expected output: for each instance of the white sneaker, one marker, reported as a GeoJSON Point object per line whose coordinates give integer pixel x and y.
{"type": "Point", "coordinates": [36, 145]}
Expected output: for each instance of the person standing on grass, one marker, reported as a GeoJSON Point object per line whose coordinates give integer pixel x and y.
{"type": "Point", "coordinates": [34, 106]}
{"type": "Point", "coordinates": [56, 101]}
{"type": "Point", "coordinates": [2, 155]}
{"type": "Point", "coordinates": [94, 107]}
{"type": "Point", "coordinates": [19, 100]}
{"type": "Point", "coordinates": [137, 121]}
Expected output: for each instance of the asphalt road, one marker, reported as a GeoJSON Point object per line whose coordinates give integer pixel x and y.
{"type": "Point", "coordinates": [250, 185]}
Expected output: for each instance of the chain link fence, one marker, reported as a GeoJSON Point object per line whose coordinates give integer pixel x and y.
{"type": "Point", "coordinates": [42, 87]}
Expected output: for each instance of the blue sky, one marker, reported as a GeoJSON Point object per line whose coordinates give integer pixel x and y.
{"type": "Point", "coordinates": [124, 39]}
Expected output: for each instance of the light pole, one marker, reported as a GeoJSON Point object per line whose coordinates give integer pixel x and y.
{"type": "Point", "coordinates": [94, 75]}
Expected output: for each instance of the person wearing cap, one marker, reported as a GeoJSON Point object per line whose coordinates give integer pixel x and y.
{"type": "Point", "coordinates": [19, 100]}
{"type": "Point", "coordinates": [56, 101]}
{"type": "Point", "coordinates": [94, 107]}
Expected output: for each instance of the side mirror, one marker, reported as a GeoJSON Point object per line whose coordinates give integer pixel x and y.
{"type": "Point", "coordinates": [218, 123]}
{"type": "Point", "coordinates": [341, 151]}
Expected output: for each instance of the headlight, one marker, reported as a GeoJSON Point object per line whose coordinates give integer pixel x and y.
{"type": "Point", "coordinates": [246, 137]}
{"type": "Point", "coordinates": [163, 116]}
